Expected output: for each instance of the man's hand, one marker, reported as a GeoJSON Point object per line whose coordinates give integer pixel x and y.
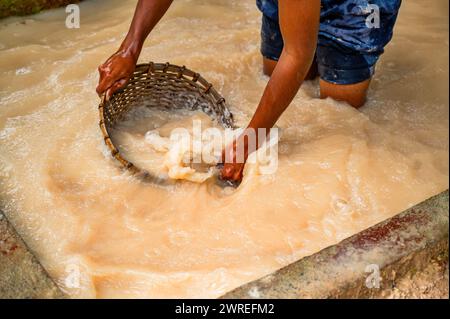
{"type": "Point", "coordinates": [115, 72]}
{"type": "Point", "coordinates": [232, 170]}
{"type": "Point", "coordinates": [118, 69]}
{"type": "Point", "coordinates": [235, 155]}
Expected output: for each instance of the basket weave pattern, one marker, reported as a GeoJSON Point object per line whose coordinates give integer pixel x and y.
{"type": "Point", "coordinates": [163, 85]}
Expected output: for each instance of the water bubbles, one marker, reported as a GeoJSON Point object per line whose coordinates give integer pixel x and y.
{"type": "Point", "coordinates": [22, 71]}
{"type": "Point", "coordinates": [341, 206]}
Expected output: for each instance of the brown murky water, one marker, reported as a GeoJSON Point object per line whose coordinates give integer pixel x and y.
{"type": "Point", "coordinates": [340, 170]}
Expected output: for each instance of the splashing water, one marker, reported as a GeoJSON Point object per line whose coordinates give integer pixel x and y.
{"type": "Point", "coordinates": [340, 170]}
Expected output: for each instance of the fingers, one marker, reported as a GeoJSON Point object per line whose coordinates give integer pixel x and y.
{"type": "Point", "coordinates": [224, 152]}
{"type": "Point", "coordinates": [110, 80]}
{"type": "Point", "coordinates": [233, 172]}
{"type": "Point", "coordinates": [107, 79]}
{"type": "Point", "coordinates": [115, 87]}
{"type": "Point", "coordinates": [227, 172]}
{"type": "Point", "coordinates": [115, 73]}
{"type": "Point", "coordinates": [229, 153]}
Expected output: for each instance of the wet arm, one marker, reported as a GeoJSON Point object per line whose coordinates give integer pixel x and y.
{"type": "Point", "coordinates": [146, 16]}
{"type": "Point", "coordinates": [117, 70]}
{"type": "Point", "coordinates": [299, 24]}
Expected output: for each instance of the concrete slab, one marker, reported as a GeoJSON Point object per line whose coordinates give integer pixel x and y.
{"type": "Point", "coordinates": [368, 264]}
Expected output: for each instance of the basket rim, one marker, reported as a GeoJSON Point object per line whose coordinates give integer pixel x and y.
{"type": "Point", "coordinates": [186, 74]}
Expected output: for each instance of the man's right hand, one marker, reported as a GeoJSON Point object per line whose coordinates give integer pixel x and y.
{"type": "Point", "coordinates": [115, 72]}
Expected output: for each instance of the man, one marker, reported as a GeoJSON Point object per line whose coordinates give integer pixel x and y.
{"type": "Point", "coordinates": [341, 40]}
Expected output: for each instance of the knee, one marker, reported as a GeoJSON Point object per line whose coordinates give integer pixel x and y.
{"type": "Point", "coordinates": [353, 94]}
{"type": "Point", "coordinates": [268, 66]}
{"type": "Point", "coordinates": [358, 102]}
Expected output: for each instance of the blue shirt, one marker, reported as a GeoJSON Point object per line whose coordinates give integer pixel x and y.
{"type": "Point", "coordinates": [343, 22]}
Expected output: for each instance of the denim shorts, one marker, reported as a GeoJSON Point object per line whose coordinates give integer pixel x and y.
{"type": "Point", "coordinates": [352, 36]}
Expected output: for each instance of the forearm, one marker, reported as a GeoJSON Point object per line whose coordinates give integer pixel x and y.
{"type": "Point", "coordinates": [282, 87]}
{"type": "Point", "coordinates": [146, 16]}
{"type": "Point", "coordinates": [299, 23]}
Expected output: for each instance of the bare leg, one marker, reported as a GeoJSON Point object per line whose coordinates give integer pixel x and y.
{"type": "Point", "coordinates": [268, 66]}
{"type": "Point", "coordinates": [353, 94]}
{"type": "Point", "coordinates": [313, 72]}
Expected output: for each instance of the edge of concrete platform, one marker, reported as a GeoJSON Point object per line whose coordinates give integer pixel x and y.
{"type": "Point", "coordinates": [377, 257]}
{"type": "Point", "coordinates": [21, 274]}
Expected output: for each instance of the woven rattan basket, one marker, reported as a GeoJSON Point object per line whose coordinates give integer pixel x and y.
{"type": "Point", "coordinates": [164, 85]}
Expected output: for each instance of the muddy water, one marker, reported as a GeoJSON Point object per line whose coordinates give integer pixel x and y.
{"type": "Point", "coordinates": [161, 142]}
{"type": "Point", "coordinates": [100, 233]}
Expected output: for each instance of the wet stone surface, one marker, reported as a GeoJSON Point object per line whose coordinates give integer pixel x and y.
{"type": "Point", "coordinates": [21, 275]}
